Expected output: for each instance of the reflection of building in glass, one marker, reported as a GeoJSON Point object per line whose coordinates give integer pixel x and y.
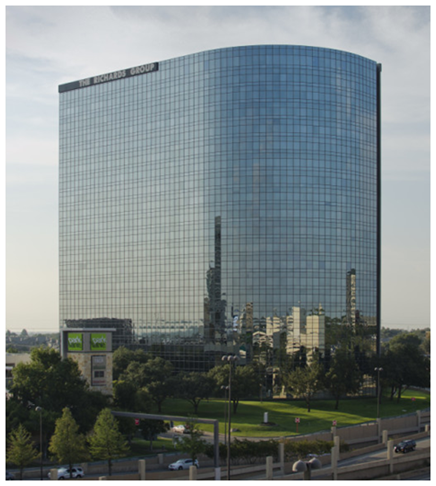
{"type": "Point", "coordinates": [215, 305]}
{"type": "Point", "coordinates": [351, 297]}
{"type": "Point", "coordinates": [314, 337]}
{"type": "Point", "coordinates": [214, 200]}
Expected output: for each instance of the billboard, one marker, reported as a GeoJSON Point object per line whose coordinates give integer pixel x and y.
{"type": "Point", "coordinates": [75, 341]}
{"type": "Point", "coordinates": [98, 342]}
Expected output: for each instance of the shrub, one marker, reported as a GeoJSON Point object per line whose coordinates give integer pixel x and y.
{"type": "Point", "coordinates": [302, 448]}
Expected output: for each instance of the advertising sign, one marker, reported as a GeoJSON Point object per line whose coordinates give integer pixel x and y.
{"type": "Point", "coordinates": [75, 341]}
{"type": "Point", "coordinates": [98, 342]}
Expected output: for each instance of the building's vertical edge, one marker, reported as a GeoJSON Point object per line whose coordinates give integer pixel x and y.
{"type": "Point", "coordinates": [61, 336]}
{"type": "Point", "coordinates": [379, 68]}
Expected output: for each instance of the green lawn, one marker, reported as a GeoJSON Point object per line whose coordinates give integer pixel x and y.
{"type": "Point", "coordinates": [283, 413]}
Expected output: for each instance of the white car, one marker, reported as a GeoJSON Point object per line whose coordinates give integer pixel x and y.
{"type": "Point", "coordinates": [64, 473]}
{"type": "Point", "coordinates": [179, 428]}
{"type": "Point", "coordinates": [183, 464]}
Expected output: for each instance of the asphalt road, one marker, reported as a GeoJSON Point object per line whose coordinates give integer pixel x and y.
{"type": "Point", "coordinates": [374, 456]}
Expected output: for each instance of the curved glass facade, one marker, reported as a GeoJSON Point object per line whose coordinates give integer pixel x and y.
{"type": "Point", "coordinates": [225, 201]}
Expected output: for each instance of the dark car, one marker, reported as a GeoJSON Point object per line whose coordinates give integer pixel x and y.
{"type": "Point", "coordinates": [9, 476]}
{"type": "Point", "coordinates": [405, 446]}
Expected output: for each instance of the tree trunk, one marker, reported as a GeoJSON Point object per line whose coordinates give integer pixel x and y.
{"type": "Point", "coordinates": [337, 403]}
{"type": "Point", "coordinates": [399, 393]}
{"type": "Point", "coordinates": [109, 462]}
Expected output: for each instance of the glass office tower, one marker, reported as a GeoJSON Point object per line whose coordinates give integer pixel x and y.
{"type": "Point", "coordinates": [225, 201]}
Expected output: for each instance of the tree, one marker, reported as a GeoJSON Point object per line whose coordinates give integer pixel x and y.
{"type": "Point", "coordinates": [151, 428]}
{"type": "Point", "coordinates": [192, 443]}
{"type": "Point", "coordinates": [106, 441]}
{"type": "Point", "coordinates": [67, 444]}
{"type": "Point", "coordinates": [123, 356]}
{"type": "Point", "coordinates": [195, 387]}
{"type": "Point", "coordinates": [20, 449]}
{"type": "Point", "coordinates": [245, 381]}
{"type": "Point", "coordinates": [160, 380]}
{"type": "Point", "coordinates": [305, 382]}
{"type": "Point", "coordinates": [343, 376]}
{"type": "Point", "coordinates": [404, 364]}
{"type": "Point", "coordinates": [54, 383]}
{"type": "Point", "coordinates": [156, 376]}
{"type": "Point", "coordinates": [124, 393]}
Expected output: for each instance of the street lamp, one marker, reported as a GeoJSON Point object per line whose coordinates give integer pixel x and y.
{"type": "Point", "coordinates": [230, 359]}
{"type": "Point", "coordinates": [39, 409]}
{"type": "Point", "coordinates": [225, 388]}
{"type": "Point", "coordinates": [378, 389]}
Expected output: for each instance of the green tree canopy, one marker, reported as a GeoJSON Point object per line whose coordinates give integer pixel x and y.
{"type": "Point", "coordinates": [151, 428]}
{"type": "Point", "coordinates": [305, 382]}
{"type": "Point", "coordinates": [195, 387]}
{"type": "Point", "coordinates": [123, 356]}
{"type": "Point", "coordinates": [156, 376]}
{"type": "Point", "coordinates": [20, 449]}
{"type": "Point", "coordinates": [404, 364]}
{"type": "Point", "coordinates": [245, 381]}
{"type": "Point", "coordinates": [106, 442]}
{"type": "Point", "coordinates": [343, 376]}
{"type": "Point", "coordinates": [67, 444]}
{"type": "Point", "coordinates": [54, 383]}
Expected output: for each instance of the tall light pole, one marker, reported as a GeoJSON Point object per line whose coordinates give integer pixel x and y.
{"type": "Point", "coordinates": [39, 409]}
{"type": "Point", "coordinates": [230, 359]}
{"type": "Point", "coordinates": [225, 388]}
{"type": "Point", "coordinates": [378, 369]}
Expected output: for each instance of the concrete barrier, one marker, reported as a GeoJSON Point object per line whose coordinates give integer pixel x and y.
{"type": "Point", "coordinates": [370, 470]}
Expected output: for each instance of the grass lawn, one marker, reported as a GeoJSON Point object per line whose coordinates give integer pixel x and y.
{"type": "Point", "coordinates": [141, 447]}
{"type": "Point", "coordinates": [283, 413]}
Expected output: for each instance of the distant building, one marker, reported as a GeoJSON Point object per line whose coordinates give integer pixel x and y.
{"type": "Point", "coordinates": [12, 359]}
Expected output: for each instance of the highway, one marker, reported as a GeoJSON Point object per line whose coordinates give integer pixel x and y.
{"type": "Point", "coordinates": [382, 454]}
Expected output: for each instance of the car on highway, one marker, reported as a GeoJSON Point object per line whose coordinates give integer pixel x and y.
{"type": "Point", "coordinates": [64, 473]}
{"type": "Point", "coordinates": [405, 446]}
{"type": "Point", "coordinates": [183, 464]}
{"type": "Point", "coordinates": [181, 429]}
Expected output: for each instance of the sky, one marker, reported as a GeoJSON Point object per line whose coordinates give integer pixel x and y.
{"type": "Point", "coordinates": [52, 45]}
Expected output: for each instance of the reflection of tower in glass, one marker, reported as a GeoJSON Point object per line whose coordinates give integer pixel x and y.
{"type": "Point", "coordinates": [215, 307]}
{"type": "Point", "coordinates": [351, 297]}
{"type": "Point", "coordinates": [315, 333]}
{"type": "Point", "coordinates": [295, 327]}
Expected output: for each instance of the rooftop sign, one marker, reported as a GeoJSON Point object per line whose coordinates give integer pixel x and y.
{"type": "Point", "coordinates": [106, 78]}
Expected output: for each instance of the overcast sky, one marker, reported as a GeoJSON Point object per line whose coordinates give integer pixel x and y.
{"type": "Point", "coordinates": [48, 46]}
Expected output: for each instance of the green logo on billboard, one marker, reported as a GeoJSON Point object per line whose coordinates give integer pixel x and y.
{"type": "Point", "coordinates": [75, 342]}
{"type": "Point", "coordinates": [98, 342]}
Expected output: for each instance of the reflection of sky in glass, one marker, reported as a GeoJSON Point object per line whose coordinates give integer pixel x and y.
{"type": "Point", "coordinates": [278, 142]}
